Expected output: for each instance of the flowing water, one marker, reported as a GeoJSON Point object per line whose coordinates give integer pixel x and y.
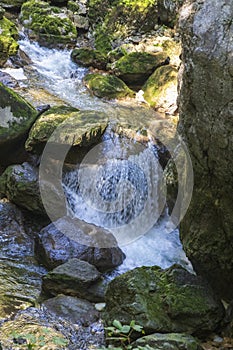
{"type": "Point", "coordinates": [121, 189]}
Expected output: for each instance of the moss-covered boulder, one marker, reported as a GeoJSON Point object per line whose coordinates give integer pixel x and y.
{"type": "Point", "coordinates": [170, 341]}
{"type": "Point", "coordinates": [107, 86]}
{"type": "Point", "coordinates": [47, 24]}
{"type": "Point", "coordinates": [12, 5]}
{"type": "Point", "coordinates": [8, 39]}
{"type": "Point", "coordinates": [20, 184]}
{"type": "Point", "coordinates": [136, 67]}
{"type": "Point", "coordinates": [171, 300]}
{"type": "Point", "coordinates": [16, 118]}
{"type": "Point", "coordinates": [161, 87]}
{"type": "Point", "coordinates": [82, 128]}
{"type": "Point", "coordinates": [88, 57]}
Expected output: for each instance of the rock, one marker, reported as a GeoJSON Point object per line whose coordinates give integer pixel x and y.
{"type": "Point", "coordinates": [161, 88]}
{"type": "Point", "coordinates": [17, 116]}
{"type": "Point", "coordinates": [83, 128]}
{"type": "Point", "coordinates": [20, 275]}
{"type": "Point", "coordinates": [72, 278]}
{"type": "Point", "coordinates": [20, 184]}
{"type": "Point", "coordinates": [8, 80]}
{"type": "Point", "coordinates": [73, 238]}
{"type": "Point", "coordinates": [136, 67]}
{"type": "Point", "coordinates": [168, 11]}
{"type": "Point", "coordinates": [170, 300]}
{"type": "Point", "coordinates": [107, 86]}
{"type": "Point", "coordinates": [8, 39]}
{"type": "Point", "coordinates": [2, 12]}
{"type": "Point", "coordinates": [76, 311]}
{"type": "Point", "coordinates": [170, 341]}
{"type": "Point", "coordinates": [206, 124]}
{"type": "Point", "coordinates": [47, 24]}
{"type": "Point", "coordinates": [88, 57]}
{"type": "Point", "coordinates": [12, 5]}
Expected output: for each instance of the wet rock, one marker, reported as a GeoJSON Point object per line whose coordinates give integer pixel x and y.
{"type": "Point", "coordinates": [17, 116]}
{"type": "Point", "coordinates": [170, 341]}
{"type": "Point", "coordinates": [161, 88]}
{"type": "Point", "coordinates": [171, 300]}
{"type": "Point", "coordinates": [88, 57]}
{"type": "Point", "coordinates": [77, 311]}
{"type": "Point", "coordinates": [72, 278]}
{"type": "Point", "coordinates": [83, 128]}
{"type": "Point", "coordinates": [206, 124]}
{"type": "Point", "coordinates": [20, 275]}
{"type": "Point", "coordinates": [20, 184]}
{"type": "Point", "coordinates": [8, 80]}
{"type": "Point", "coordinates": [47, 24]}
{"type": "Point", "coordinates": [107, 86]}
{"type": "Point", "coordinates": [136, 67]}
{"type": "Point", "coordinates": [8, 39]}
{"type": "Point", "coordinates": [73, 238]}
{"type": "Point", "coordinates": [168, 11]}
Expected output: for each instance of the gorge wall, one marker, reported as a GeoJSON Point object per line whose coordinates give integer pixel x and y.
{"type": "Point", "coordinates": [206, 123]}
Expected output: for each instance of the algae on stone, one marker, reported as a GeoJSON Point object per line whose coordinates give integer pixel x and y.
{"type": "Point", "coordinates": [107, 86]}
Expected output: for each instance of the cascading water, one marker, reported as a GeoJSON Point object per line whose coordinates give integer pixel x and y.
{"type": "Point", "coordinates": [116, 186]}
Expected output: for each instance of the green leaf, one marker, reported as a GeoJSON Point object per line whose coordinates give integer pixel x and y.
{"type": "Point", "coordinates": [125, 329]}
{"type": "Point", "coordinates": [137, 328]}
{"type": "Point", "coordinates": [132, 323]}
{"type": "Point", "coordinates": [117, 324]}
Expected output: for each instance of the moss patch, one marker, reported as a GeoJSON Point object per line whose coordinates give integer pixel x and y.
{"type": "Point", "coordinates": [8, 37]}
{"type": "Point", "coordinates": [47, 23]}
{"type": "Point", "coordinates": [107, 86]}
{"type": "Point", "coordinates": [88, 57]}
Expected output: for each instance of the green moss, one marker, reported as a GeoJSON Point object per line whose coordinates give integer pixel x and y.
{"type": "Point", "coordinates": [157, 84]}
{"type": "Point", "coordinates": [45, 22]}
{"type": "Point", "coordinates": [73, 6]}
{"type": "Point", "coordinates": [88, 57]}
{"type": "Point", "coordinates": [107, 86]}
{"type": "Point", "coordinates": [8, 37]}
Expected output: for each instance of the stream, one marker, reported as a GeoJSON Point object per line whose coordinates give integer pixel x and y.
{"type": "Point", "coordinates": [53, 71]}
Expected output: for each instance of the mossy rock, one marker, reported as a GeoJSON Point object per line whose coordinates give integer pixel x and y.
{"type": "Point", "coordinates": [161, 87]}
{"type": "Point", "coordinates": [170, 341]}
{"type": "Point", "coordinates": [136, 67]}
{"type": "Point", "coordinates": [2, 12]}
{"type": "Point", "coordinates": [47, 24]}
{"type": "Point", "coordinates": [107, 86]}
{"type": "Point", "coordinates": [12, 5]}
{"type": "Point", "coordinates": [164, 301]}
{"type": "Point", "coordinates": [8, 40]}
{"type": "Point", "coordinates": [82, 129]}
{"type": "Point", "coordinates": [88, 57]}
{"type": "Point", "coordinates": [17, 116]}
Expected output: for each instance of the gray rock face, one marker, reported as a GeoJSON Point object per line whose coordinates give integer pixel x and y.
{"type": "Point", "coordinates": [168, 11]}
{"type": "Point", "coordinates": [206, 122]}
{"type": "Point", "coordinates": [171, 300]}
{"type": "Point", "coordinates": [73, 238]}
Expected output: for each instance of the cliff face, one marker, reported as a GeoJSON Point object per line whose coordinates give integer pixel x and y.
{"type": "Point", "coordinates": [206, 123]}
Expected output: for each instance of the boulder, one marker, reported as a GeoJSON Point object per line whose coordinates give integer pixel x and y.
{"type": "Point", "coordinates": [72, 278]}
{"type": "Point", "coordinates": [206, 112]}
{"type": "Point", "coordinates": [136, 67]}
{"type": "Point", "coordinates": [20, 184]}
{"type": "Point", "coordinates": [76, 311]}
{"type": "Point", "coordinates": [82, 129]}
{"type": "Point", "coordinates": [170, 300]}
{"type": "Point", "coordinates": [87, 57]}
{"type": "Point", "coordinates": [73, 238]}
{"type": "Point", "coordinates": [161, 87]}
{"type": "Point", "coordinates": [168, 11]}
{"type": "Point", "coordinates": [8, 39]}
{"type": "Point", "coordinates": [47, 24]}
{"type": "Point", "coordinates": [17, 116]}
{"type": "Point", "coordinates": [170, 341]}
{"type": "Point", "coordinates": [20, 275]}
{"type": "Point", "coordinates": [107, 86]}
